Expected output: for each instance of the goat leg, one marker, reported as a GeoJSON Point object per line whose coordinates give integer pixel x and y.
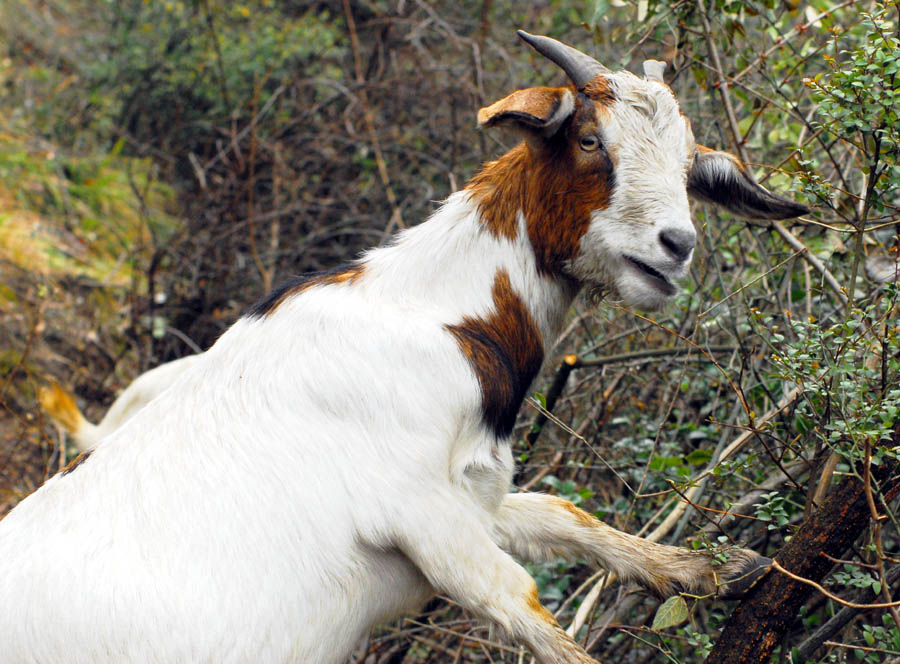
{"type": "Point", "coordinates": [454, 551]}
{"type": "Point", "coordinates": [538, 527]}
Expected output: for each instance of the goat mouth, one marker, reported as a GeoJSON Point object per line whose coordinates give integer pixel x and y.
{"type": "Point", "coordinates": [654, 276]}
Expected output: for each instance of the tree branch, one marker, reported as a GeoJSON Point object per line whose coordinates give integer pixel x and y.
{"type": "Point", "coordinates": [760, 622]}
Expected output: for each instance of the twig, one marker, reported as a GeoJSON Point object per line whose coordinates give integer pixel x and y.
{"type": "Point", "coordinates": [832, 596]}
{"type": "Point", "coordinates": [553, 393]}
{"type": "Point", "coordinates": [747, 285]}
{"type": "Point", "coordinates": [876, 531]}
{"type": "Point", "coordinates": [799, 30]}
{"type": "Point", "coordinates": [185, 338]}
{"type": "Point", "coordinates": [649, 354]}
{"type": "Point", "coordinates": [739, 393]}
{"type": "Point", "coordinates": [747, 502]}
{"type": "Point", "coordinates": [824, 479]}
{"type": "Point", "coordinates": [663, 529]}
{"type": "Point", "coordinates": [584, 441]}
{"type": "Point", "coordinates": [722, 85]}
{"type": "Point", "coordinates": [396, 215]}
{"type": "Point", "coordinates": [852, 646]}
{"type": "Point", "coordinates": [810, 258]}
{"type": "Point", "coordinates": [572, 361]}
{"type": "Point", "coordinates": [599, 404]}
{"type": "Point", "coordinates": [218, 48]}
{"type": "Point", "coordinates": [233, 143]}
{"type": "Point", "coordinates": [264, 273]}
{"type": "Point", "coordinates": [587, 606]}
{"type": "Point", "coordinates": [467, 637]}
{"type": "Point", "coordinates": [62, 447]}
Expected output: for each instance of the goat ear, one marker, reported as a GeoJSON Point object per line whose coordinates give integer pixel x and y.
{"type": "Point", "coordinates": [720, 178]}
{"type": "Point", "coordinates": [536, 112]}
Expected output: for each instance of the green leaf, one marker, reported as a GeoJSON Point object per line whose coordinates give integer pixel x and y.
{"type": "Point", "coordinates": [8, 293]}
{"type": "Point", "coordinates": [699, 456]}
{"type": "Point", "coordinates": [670, 613]}
{"type": "Point", "coordinates": [663, 462]}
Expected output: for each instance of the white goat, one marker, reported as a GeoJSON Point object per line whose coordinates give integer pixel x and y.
{"type": "Point", "coordinates": [60, 405]}
{"type": "Point", "coordinates": [343, 452]}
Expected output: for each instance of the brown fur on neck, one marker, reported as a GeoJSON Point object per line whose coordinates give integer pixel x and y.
{"type": "Point", "coordinates": [556, 185]}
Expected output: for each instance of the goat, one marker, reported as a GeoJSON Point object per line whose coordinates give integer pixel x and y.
{"type": "Point", "coordinates": [60, 404]}
{"type": "Point", "coordinates": [342, 452]}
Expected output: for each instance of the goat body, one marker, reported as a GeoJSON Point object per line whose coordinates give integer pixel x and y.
{"type": "Point", "coordinates": [343, 451]}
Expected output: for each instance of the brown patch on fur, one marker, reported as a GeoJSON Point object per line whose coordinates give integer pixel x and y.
{"type": "Point", "coordinates": [74, 463]}
{"type": "Point", "coordinates": [534, 605]}
{"type": "Point", "coordinates": [59, 404]}
{"type": "Point", "coordinates": [583, 518]}
{"type": "Point", "coordinates": [297, 285]}
{"type": "Point", "coordinates": [556, 188]}
{"type": "Point", "coordinates": [505, 350]}
{"type": "Point", "coordinates": [600, 91]}
{"type": "Point", "coordinates": [500, 193]}
{"type": "Point", "coordinates": [350, 274]}
{"type": "Point", "coordinates": [539, 103]}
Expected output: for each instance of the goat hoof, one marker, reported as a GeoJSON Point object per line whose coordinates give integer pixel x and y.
{"type": "Point", "coordinates": [742, 578]}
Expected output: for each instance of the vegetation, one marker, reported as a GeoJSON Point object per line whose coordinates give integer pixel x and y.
{"type": "Point", "coordinates": [163, 163]}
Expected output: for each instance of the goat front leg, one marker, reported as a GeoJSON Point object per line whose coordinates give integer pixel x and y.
{"type": "Point", "coordinates": [449, 541]}
{"type": "Point", "coordinates": [538, 527]}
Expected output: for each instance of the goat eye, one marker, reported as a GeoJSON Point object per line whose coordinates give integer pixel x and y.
{"type": "Point", "coordinates": [589, 143]}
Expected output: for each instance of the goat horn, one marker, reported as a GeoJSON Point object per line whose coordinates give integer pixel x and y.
{"type": "Point", "coordinates": [580, 67]}
{"type": "Point", "coordinates": [653, 70]}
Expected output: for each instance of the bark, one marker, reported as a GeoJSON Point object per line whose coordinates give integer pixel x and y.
{"type": "Point", "coordinates": [760, 622]}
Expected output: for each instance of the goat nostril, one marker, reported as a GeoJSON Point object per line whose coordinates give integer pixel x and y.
{"type": "Point", "coordinates": [678, 243]}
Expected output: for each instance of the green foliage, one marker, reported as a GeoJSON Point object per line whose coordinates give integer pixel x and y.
{"type": "Point", "coordinates": [568, 489]}
{"type": "Point", "coordinates": [72, 215]}
{"type": "Point", "coordinates": [858, 99]}
{"type": "Point", "coordinates": [849, 371]}
{"type": "Point", "coordinates": [855, 577]}
{"type": "Point", "coordinates": [189, 66]}
{"type": "Point", "coordinates": [671, 613]}
{"type": "Point", "coordinates": [884, 636]}
{"type": "Point", "coordinates": [773, 510]}
{"type": "Point", "coordinates": [553, 579]}
{"type": "Point", "coordinates": [702, 644]}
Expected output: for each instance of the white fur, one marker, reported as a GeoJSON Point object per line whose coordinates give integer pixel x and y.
{"type": "Point", "coordinates": [652, 147]}
{"type": "Point", "coordinates": [252, 512]}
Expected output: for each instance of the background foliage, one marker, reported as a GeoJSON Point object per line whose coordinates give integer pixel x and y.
{"type": "Point", "coordinates": [163, 163]}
